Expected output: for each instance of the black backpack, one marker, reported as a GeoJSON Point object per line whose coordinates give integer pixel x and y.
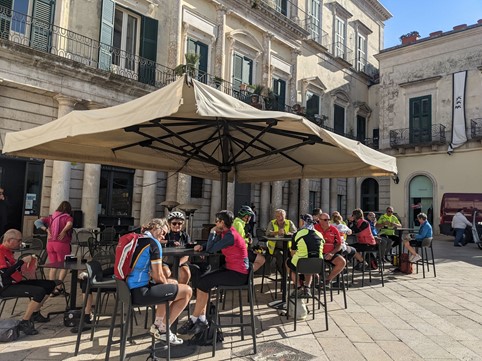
{"type": "Point", "coordinates": [9, 330]}
{"type": "Point", "coordinates": [205, 338]}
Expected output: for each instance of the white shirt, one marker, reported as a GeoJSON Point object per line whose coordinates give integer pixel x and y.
{"type": "Point", "coordinates": [459, 221]}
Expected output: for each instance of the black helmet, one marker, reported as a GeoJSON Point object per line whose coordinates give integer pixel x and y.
{"type": "Point", "coordinates": [245, 211]}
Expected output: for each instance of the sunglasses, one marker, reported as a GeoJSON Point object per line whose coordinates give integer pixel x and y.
{"type": "Point", "coordinates": [389, 211]}
{"type": "Point", "coordinates": [177, 223]}
{"type": "Point", "coordinates": [324, 219]}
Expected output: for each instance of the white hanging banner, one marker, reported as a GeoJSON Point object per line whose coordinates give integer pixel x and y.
{"type": "Point", "coordinates": [459, 135]}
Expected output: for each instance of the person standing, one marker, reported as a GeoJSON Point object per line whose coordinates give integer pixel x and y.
{"type": "Point", "coordinates": [59, 235]}
{"type": "Point", "coordinates": [244, 215]}
{"type": "Point", "coordinates": [3, 212]}
{"type": "Point", "coordinates": [459, 223]}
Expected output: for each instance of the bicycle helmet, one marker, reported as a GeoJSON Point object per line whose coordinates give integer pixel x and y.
{"type": "Point", "coordinates": [176, 215]}
{"type": "Point", "coordinates": [245, 211]}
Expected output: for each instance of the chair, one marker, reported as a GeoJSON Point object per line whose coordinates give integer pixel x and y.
{"type": "Point", "coordinates": [341, 280]}
{"type": "Point", "coordinates": [33, 245]}
{"type": "Point", "coordinates": [427, 243]}
{"type": "Point", "coordinates": [260, 234]}
{"type": "Point", "coordinates": [95, 281]}
{"type": "Point", "coordinates": [308, 266]}
{"type": "Point", "coordinates": [108, 238]}
{"type": "Point", "coordinates": [377, 251]}
{"type": "Point", "coordinates": [82, 239]}
{"type": "Point", "coordinates": [124, 303]}
{"type": "Point", "coordinates": [216, 324]}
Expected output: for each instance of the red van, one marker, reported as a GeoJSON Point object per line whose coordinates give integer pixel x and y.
{"type": "Point", "coordinates": [451, 202]}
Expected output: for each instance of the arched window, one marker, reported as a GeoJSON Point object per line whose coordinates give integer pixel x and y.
{"type": "Point", "coordinates": [369, 195]}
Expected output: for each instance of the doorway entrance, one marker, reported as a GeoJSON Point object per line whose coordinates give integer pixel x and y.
{"type": "Point", "coordinates": [420, 199]}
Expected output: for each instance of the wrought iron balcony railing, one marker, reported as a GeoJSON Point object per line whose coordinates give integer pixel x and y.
{"type": "Point", "coordinates": [476, 128]}
{"type": "Point", "coordinates": [362, 65]}
{"type": "Point", "coordinates": [341, 51]}
{"type": "Point", "coordinates": [287, 11]}
{"type": "Point", "coordinates": [409, 137]}
{"type": "Point", "coordinates": [49, 38]}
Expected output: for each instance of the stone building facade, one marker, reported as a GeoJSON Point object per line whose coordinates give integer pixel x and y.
{"type": "Point", "coordinates": [416, 100]}
{"type": "Point", "coordinates": [314, 57]}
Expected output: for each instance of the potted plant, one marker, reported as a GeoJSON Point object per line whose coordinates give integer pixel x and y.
{"type": "Point", "coordinates": [410, 37]}
{"type": "Point", "coordinates": [218, 81]}
{"type": "Point", "coordinates": [192, 62]}
{"type": "Point", "coordinates": [251, 88]}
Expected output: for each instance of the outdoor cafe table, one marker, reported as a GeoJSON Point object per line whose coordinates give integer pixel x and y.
{"type": "Point", "coordinates": [399, 232]}
{"type": "Point", "coordinates": [178, 252]}
{"type": "Point", "coordinates": [74, 267]}
{"type": "Point", "coordinates": [281, 304]}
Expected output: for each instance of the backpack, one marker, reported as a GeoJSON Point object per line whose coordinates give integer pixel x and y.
{"type": "Point", "coordinates": [9, 330]}
{"type": "Point", "coordinates": [124, 253]}
{"type": "Point", "coordinates": [405, 265]}
{"type": "Point", "coordinates": [205, 338]}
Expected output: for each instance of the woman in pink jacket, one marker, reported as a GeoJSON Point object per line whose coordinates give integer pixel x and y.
{"type": "Point", "coordinates": [59, 235]}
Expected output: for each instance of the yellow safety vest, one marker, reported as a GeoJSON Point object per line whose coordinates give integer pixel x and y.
{"type": "Point", "coordinates": [272, 244]}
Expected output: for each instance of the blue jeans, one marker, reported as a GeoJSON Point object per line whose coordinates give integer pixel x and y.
{"type": "Point", "coordinates": [459, 236]}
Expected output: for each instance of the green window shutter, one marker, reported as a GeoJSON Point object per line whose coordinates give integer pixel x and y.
{"type": "Point", "coordinates": [147, 69]}
{"type": "Point", "coordinates": [5, 18]}
{"type": "Point", "coordinates": [43, 18]}
{"type": "Point", "coordinates": [106, 34]}
{"type": "Point", "coordinates": [237, 71]}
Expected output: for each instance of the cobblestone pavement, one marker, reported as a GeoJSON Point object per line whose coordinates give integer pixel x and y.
{"type": "Point", "coordinates": [411, 318]}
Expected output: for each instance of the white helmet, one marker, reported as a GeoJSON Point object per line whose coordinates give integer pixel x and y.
{"type": "Point", "coordinates": [176, 215]}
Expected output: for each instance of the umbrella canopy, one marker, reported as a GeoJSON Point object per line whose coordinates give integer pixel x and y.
{"type": "Point", "coordinates": [195, 129]}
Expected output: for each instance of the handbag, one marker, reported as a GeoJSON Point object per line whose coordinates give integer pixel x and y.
{"type": "Point", "coordinates": [405, 264]}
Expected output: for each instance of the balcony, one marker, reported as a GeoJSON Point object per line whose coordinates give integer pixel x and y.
{"type": "Point", "coordinates": [317, 36]}
{"type": "Point", "coordinates": [48, 38]}
{"type": "Point", "coordinates": [476, 128]}
{"type": "Point", "coordinates": [408, 138]}
{"type": "Point", "coordinates": [341, 53]}
{"type": "Point", "coordinates": [370, 70]}
{"type": "Point", "coordinates": [285, 12]}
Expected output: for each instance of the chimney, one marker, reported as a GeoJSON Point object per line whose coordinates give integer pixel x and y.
{"type": "Point", "coordinates": [436, 33]}
{"type": "Point", "coordinates": [479, 21]}
{"type": "Point", "coordinates": [460, 27]}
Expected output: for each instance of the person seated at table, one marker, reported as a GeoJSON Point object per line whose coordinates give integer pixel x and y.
{"type": "Point", "coordinates": [224, 238]}
{"type": "Point", "coordinates": [148, 283]}
{"type": "Point", "coordinates": [177, 238]}
{"type": "Point", "coordinates": [385, 242]}
{"type": "Point", "coordinates": [279, 227]}
{"type": "Point", "coordinates": [425, 231]}
{"type": "Point", "coordinates": [59, 235]}
{"type": "Point", "coordinates": [307, 243]}
{"type": "Point", "coordinates": [333, 247]}
{"type": "Point", "coordinates": [12, 284]}
{"type": "Point", "coordinates": [387, 225]}
{"type": "Point", "coordinates": [244, 215]}
{"type": "Point", "coordinates": [365, 240]}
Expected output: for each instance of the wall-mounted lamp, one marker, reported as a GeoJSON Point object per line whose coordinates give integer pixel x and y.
{"type": "Point", "coordinates": [395, 178]}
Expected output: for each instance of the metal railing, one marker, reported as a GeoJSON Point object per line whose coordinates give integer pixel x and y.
{"type": "Point", "coordinates": [49, 38]}
{"type": "Point", "coordinates": [476, 128]}
{"type": "Point", "coordinates": [405, 138]}
{"type": "Point", "coordinates": [286, 10]}
{"type": "Point", "coordinates": [341, 51]}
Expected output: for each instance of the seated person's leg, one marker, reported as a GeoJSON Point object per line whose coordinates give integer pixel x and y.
{"type": "Point", "coordinates": [256, 259]}
{"type": "Point", "coordinates": [339, 264]}
{"type": "Point", "coordinates": [184, 273]}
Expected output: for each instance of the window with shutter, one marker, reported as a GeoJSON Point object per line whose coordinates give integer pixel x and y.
{"type": "Point", "coordinates": [106, 34]}
{"type": "Point", "coordinates": [5, 18]}
{"type": "Point", "coordinates": [148, 51]}
{"type": "Point", "coordinates": [41, 31]}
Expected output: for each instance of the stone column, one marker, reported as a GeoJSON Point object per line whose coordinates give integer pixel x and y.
{"type": "Point", "coordinates": [292, 94]}
{"type": "Point", "coordinates": [333, 195]}
{"type": "Point", "coordinates": [351, 195]}
{"type": "Point", "coordinates": [148, 196]}
{"type": "Point", "coordinates": [90, 194]}
{"type": "Point", "coordinates": [266, 61]}
{"type": "Point", "coordinates": [221, 12]}
{"type": "Point", "coordinates": [304, 197]}
{"type": "Point", "coordinates": [215, 200]}
{"type": "Point", "coordinates": [264, 209]}
{"type": "Point", "coordinates": [183, 188]}
{"type": "Point", "coordinates": [230, 203]}
{"type": "Point", "coordinates": [293, 199]}
{"type": "Point", "coordinates": [325, 195]}
{"type": "Point", "coordinates": [276, 195]}
{"type": "Point", "coordinates": [60, 190]}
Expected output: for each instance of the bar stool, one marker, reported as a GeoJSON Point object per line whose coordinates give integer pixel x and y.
{"type": "Point", "coordinates": [124, 302]}
{"type": "Point", "coordinates": [427, 243]}
{"type": "Point", "coordinates": [94, 280]}
{"type": "Point", "coordinates": [381, 266]}
{"type": "Point", "coordinates": [216, 323]}
{"type": "Point", "coordinates": [314, 266]}
{"type": "Point", "coordinates": [340, 280]}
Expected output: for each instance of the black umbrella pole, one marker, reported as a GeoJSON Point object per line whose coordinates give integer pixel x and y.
{"type": "Point", "coordinates": [224, 190]}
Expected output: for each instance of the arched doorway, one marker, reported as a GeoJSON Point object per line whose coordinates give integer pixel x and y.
{"type": "Point", "coordinates": [420, 199]}
{"type": "Point", "coordinates": [369, 195]}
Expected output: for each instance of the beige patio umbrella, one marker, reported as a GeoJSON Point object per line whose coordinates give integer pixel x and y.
{"type": "Point", "coordinates": [192, 128]}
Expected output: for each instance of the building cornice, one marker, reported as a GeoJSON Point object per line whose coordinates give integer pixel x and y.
{"type": "Point", "coordinates": [432, 79]}
{"type": "Point", "coordinates": [379, 9]}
